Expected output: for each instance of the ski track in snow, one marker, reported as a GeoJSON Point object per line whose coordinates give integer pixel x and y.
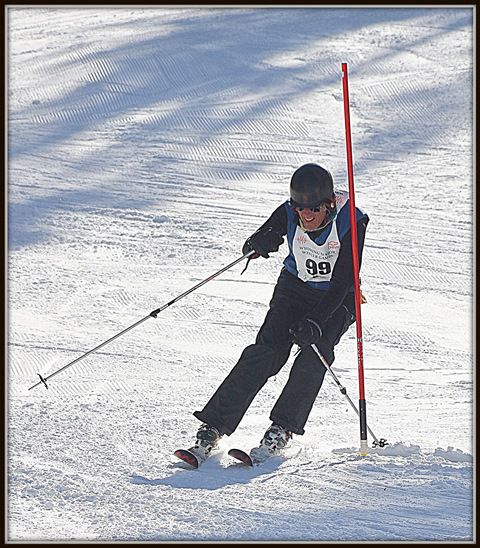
{"type": "Point", "coordinates": [145, 145]}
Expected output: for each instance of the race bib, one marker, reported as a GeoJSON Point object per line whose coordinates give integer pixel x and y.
{"type": "Point", "coordinates": [315, 262]}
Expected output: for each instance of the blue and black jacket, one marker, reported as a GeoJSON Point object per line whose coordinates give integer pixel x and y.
{"type": "Point", "coordinates": [332, 291]}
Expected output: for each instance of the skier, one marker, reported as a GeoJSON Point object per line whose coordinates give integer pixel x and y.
{"type": "Point", "coordinates": [312, 303]}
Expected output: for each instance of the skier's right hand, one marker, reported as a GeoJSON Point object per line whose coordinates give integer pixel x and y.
{"type": "Point", "coordinates": [263, 241]}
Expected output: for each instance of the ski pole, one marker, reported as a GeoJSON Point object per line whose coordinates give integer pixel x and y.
{"type": "Point", "coordinates": [153, 314]}
{"type": "Point", "coordinates": [380, 442]}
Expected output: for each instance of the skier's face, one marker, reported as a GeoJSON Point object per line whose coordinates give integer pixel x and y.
{"type": "Point", "coordinates": [312, 218]}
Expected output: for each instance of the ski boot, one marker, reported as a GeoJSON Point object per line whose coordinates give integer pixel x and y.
{"type": "Point", "coordinates": [274, 440]}
{"type": "Point", "coordinates": [207, 440]}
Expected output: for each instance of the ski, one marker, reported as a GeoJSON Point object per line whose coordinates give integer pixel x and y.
{"type": "Point", "coordinates": [241, 456]}
{"type": "Point", "coordinates": [188, 456]}
{"type": "Point", "coordinates": [257, 455]}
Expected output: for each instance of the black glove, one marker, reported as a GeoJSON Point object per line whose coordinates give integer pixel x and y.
{"type": "Point", "coordinates": [306, 332]}
{"type": "Point", "coordinates": [263, 241]}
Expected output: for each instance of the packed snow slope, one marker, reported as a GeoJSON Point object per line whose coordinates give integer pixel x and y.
{"type": "Point", "coordinates": [145, 146]}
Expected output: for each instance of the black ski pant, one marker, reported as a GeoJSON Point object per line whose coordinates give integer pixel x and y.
{"type": "Point", "coordinates": [291, 301]}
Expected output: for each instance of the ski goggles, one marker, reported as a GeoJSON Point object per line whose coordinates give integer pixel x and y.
{"type": "Point", "coordinates": [315, 209]}
{"type": "Point", "coordinates": [328, 204]}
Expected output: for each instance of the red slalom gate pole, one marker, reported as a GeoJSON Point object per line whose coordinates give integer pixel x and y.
{"type": "Point", "coordinates": [356, 267]}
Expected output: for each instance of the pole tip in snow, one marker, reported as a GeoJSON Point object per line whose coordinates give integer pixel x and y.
{"type": "Point", "coordinates": [43, 380]}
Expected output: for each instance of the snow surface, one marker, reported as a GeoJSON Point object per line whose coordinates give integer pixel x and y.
{"type": "Point", "coordinates": [145, 146]}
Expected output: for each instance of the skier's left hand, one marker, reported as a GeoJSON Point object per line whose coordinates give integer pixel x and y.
{"type": "Point", "coordinates": [306, 332]}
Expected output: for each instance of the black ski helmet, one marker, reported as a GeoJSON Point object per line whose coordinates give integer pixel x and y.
{"type": "Point", "coordinates": [311, 185]}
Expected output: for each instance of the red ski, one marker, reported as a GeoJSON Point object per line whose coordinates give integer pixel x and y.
{"type": "Point", "coordinates": [188, 457]}
{"type": "Point", "coordinates": [241, 456]}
